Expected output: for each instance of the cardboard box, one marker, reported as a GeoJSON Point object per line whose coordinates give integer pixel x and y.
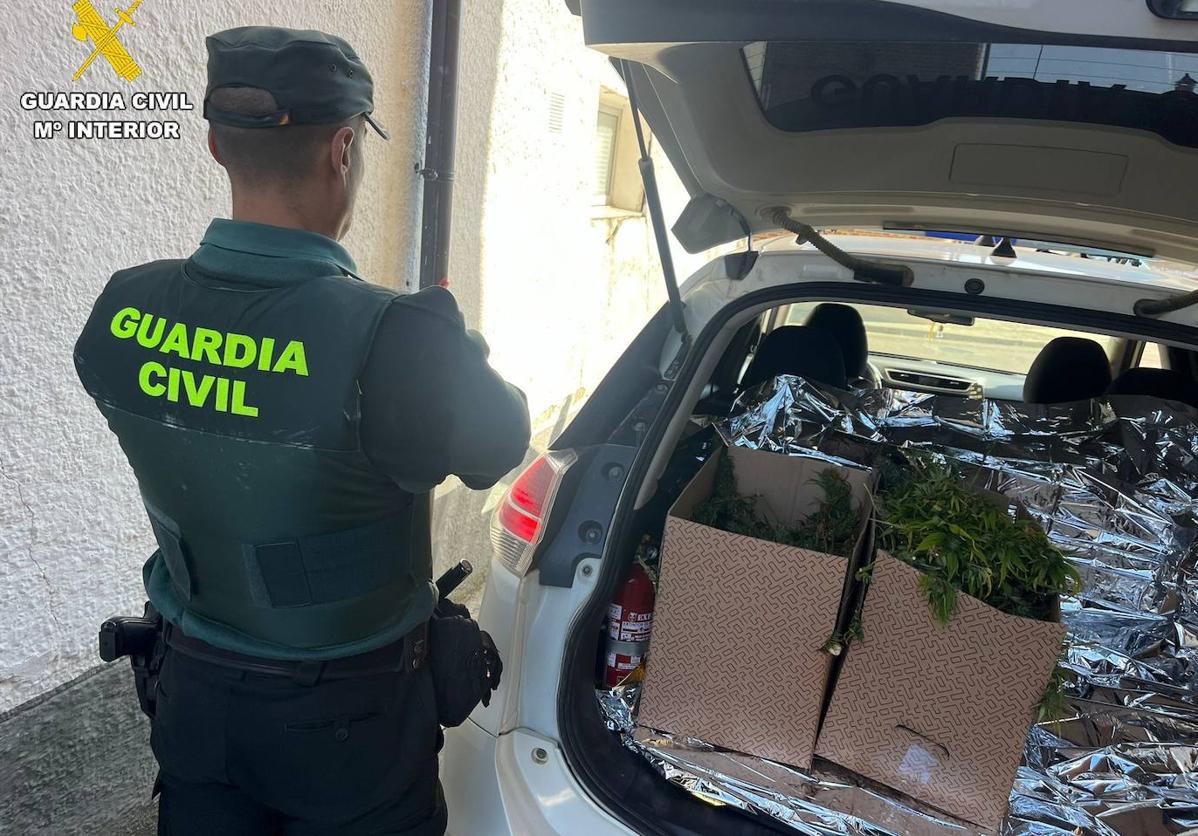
{"type": "Point", "coordinates": [938, 712]}
{"type": "Point", "coordinates": [824, 785]}
{"type": "Point", "coordinates": [736, 656]}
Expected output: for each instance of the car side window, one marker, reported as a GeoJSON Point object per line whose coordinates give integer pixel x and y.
{"type": "Point", "coordinates": [1153, 356]}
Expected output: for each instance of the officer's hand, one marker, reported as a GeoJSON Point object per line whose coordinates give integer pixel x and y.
{"type": "Point", "coordinates": [464, 662]}
{"type": "Point", "coordinates": [449, 609]}
{"type": "Point", "coordinates": [493, 664]}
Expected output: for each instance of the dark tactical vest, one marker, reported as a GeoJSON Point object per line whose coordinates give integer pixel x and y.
{"type": "Point", "coordinates": [238, 408]}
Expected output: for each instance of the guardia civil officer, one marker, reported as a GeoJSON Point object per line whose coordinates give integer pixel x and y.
{"type": "Point", "coordinates": [286, 421]}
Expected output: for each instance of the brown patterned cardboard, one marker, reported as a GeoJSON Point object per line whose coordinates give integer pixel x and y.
{"type": "Point", "coordinates": [939, 713]}
{"type": "Point", "coordinates": [736, 655]}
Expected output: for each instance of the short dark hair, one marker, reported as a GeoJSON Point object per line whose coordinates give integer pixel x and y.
{"type": "Point", "coordinates": [268, 155]}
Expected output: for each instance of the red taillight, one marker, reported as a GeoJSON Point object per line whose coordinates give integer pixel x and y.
{"type": "Point", "coordinates": [516, 527]}
{"type": "Point", "coordinates": [518, 523]}
{"type": "Point", "coordinates": [529, 491]}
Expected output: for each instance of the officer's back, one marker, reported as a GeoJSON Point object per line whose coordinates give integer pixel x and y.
{"type": "Point", "coordinates": [286, 421]}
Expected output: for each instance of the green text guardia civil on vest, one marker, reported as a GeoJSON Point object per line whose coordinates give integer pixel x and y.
{"type": "Point", "coordinates": [227, 350]}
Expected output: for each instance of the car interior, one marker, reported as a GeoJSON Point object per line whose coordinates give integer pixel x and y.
{"type": "Point", "coordinates": [832, 344]}
{"type": "Point", "coordinates": [895, 119]}
{"type": "Point", "coordinates": [851, 346]}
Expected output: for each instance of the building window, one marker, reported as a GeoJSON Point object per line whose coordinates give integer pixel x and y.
{"type": "Point", "coordinates": [617, 189]}
{"type": "Point", "coordinates": [606, 131]}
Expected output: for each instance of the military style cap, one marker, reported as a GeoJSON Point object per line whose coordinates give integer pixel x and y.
{"type": "Point", "coordinates": [316, 78]}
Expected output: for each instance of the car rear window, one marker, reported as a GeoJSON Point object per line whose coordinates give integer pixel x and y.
{"type": "Point", "coordinates": [821, 86]}
{"type": "Point", "coordinates": [987, 344]}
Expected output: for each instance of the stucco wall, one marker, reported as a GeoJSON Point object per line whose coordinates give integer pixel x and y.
{"type": "Point", "coordinates": [72, 536]}
{"type": "Point", "coordinates": [558, 292]}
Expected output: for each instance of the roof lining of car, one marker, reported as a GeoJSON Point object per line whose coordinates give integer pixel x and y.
{"type": "Point", "coordinates": [636, 29]}
{"type": "Point", "coordinates": [1068, 182]}
{"type": "Point", "coordinates": [695, 73]}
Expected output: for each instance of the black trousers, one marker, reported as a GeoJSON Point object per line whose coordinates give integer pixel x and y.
{"type": "Point", "coordinates": [246, 753]}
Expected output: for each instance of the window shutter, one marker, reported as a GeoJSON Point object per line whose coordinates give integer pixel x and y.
{"type": "Point", "coordinates": [557, 112]}
{"type": "Point", "coordinates": [605, 149]}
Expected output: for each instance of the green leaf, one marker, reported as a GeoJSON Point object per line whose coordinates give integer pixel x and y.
{"type": "Point", "coordinates": [929, 518]}
{"type": "Point", "coordinates": [930, 542]}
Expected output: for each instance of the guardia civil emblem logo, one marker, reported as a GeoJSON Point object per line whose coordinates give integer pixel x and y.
{"type": "Point", "coordinates": [105, 43]}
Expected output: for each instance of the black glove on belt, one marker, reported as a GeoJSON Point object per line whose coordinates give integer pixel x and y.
{"type": "Point", "coordinates": [464, 662]}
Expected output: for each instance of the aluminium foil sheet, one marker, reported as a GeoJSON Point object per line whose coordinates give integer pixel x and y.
{"type": "Point", "coordinates": [1114, 482]}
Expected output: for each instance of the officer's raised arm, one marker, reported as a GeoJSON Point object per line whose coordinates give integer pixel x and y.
{"type": "Point", "coordinates": [487, 442]}
{"type": "Point", "coordinates": [432, 405]}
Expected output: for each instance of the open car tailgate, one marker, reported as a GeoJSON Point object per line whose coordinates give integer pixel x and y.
{"type": "Point", "coordinates": [867, 113]}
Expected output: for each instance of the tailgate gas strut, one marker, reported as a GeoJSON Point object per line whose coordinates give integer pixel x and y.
{"type": "Point", "coordinates": [653, 201]}
{"type": "Point", "coordinates": [864, 270]}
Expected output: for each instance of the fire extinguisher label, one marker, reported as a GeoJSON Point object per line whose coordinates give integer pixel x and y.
{"type": "Point", "coordinates": [620, 662]}
{"type": "Point", "coordinates": [614, 611]}
{"type": "Point", "coordinates": [636, 627]}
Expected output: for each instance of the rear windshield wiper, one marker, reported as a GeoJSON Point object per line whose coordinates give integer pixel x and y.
{"type": "Point", "coordinates": [864, 269]}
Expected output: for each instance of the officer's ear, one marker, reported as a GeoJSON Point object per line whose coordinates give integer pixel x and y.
{"type": "Point", "coordinates": [213, 148]}
{"type": "Point", "coordinates": [340, 150]}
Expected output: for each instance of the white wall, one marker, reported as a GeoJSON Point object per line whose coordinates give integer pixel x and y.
{"type": "Point", "coordinates": [72, 534]}
{"type": "Point", "coordinates": [557, 293]}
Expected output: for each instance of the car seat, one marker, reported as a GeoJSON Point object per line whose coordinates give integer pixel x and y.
{"type": "Point", "coordinates": [845, 325]}
{"type": "Point", "coordinates": [1166, 384]}
{"type": "Point", "coordinates": [1067, 369]}
{"type": "Point", "coordinates": [801, 350]}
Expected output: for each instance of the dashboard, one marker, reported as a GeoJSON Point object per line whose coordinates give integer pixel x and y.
{"type": "Point", "coordinates": [944, 379]}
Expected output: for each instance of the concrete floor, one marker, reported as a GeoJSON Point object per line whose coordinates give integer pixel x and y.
{"type": "Point", "coordinates": [141, 820]}
{"type": "Point", "coordinates": [78, 761]}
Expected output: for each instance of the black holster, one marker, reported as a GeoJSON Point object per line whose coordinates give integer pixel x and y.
{"type": "Point", "coordinates": [141, 640]}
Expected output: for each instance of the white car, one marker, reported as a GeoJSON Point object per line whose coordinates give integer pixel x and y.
{"type": "Point", "coordinates": [1066, 131]}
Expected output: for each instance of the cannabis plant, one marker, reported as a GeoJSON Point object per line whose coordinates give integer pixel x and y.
{"type": "Point", "coordinates": [963, 542]}
{"type": "Point", "coordinates": [831, 528]}
{"type": "Point", "coordinates": [727, 510]}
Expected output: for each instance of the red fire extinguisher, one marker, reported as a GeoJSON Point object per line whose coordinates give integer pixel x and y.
{"type": "Point", "coordinates": [629, 623]}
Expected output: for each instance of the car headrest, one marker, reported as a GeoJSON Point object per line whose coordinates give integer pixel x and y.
{"type": "Point", "coordinates": [1067, 369]}
{"type": "Point", "coordinates": [847, 328]}
{"type": "Point", "coordinates": [1166, 384]}
{"type": "Point", "coordinates": [800, 350]}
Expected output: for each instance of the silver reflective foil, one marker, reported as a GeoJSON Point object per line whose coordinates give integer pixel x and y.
{"type": "Point", "coordinates": [1114, 482]}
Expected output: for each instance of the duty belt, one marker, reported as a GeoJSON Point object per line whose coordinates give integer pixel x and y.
{"type": "Point", "coordinates": [404, 656]}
